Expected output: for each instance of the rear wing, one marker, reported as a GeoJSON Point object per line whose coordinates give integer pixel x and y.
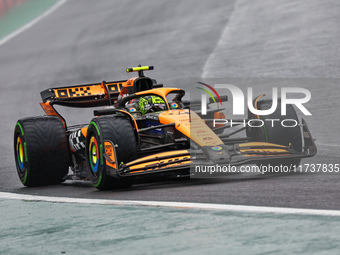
{"type": "Point", "coordinates": [99, 94]}
{"type": "Point", "coordinates": [87, 95]}
{"type": "Point", "coordinates": [95, 94]}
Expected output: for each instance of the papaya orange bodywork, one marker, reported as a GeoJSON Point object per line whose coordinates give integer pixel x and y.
{"type": "Point", "coordinates": [155, 156]}
{"type": "Point", "coordinates": [109, 151]}
{"type": "Point", "coordinates": [84, 131]}
{"type": "Point", "coordinates": [249, 152]}
{"type": "Point", "coordinates": [50, 111]}
{"type": "Point", "coordinates": [185, 123]}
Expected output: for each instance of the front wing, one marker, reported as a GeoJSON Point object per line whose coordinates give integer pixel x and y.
{"type": "Point", "coordinates": [241, 153]}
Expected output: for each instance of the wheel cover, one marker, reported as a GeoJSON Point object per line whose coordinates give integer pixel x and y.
{"type": "Point", "coordinates": [20, 153]}
{"type": "Point", "coordinates": [93, 155]}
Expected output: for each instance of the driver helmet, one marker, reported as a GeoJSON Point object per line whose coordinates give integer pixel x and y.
{"type": "Point", "coordinates": [151, 104]}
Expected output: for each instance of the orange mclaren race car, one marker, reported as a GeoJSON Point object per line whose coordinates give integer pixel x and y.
{"type": "Point", "coordinates": [143, 129]}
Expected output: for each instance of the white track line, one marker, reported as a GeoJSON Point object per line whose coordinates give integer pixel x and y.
{"type": "Point", "coordinates": [183, 205]}
{"type": "Point", "coordinates": [32, 23]}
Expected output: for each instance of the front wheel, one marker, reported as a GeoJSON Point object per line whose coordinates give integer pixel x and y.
{"type": "Point", "coordinates": [119, 131]}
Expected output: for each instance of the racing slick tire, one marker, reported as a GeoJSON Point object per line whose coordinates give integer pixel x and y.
{"type": "Point", "coordinates": [277, 133]}
{"type": "Point", "coordinates": [119, 131]}
{"type": "Point", "coordinates": [41, 150]}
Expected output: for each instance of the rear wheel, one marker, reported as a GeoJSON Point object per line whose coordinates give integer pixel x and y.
{"type": "Point", "coordinates": [41, 150]}
{"type": "Point", "coordinates": [274, 132]}
{"type": "Point", "coordinates": [120, 132]}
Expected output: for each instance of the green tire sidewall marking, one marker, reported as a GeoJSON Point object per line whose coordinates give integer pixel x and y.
{"type": "Point", "coordinates": [95, 125]}
{"type": "Point", "coordinates": [25, 150]}
{"type": "Point", "coordinates": [22, 131]}
{"type": "Point", "coordinates": [101, 154]}
{"type": "Point", "coordinates": [25, 177]}
{"type": "Point", "coordinates": [99, 180]}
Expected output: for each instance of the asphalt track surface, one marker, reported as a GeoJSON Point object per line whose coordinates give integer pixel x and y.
{"type": "Point", "coordinates": [84, 42]}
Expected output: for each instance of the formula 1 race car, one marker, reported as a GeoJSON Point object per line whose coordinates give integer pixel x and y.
{"type": "Point", "coordinates": [143, 129]}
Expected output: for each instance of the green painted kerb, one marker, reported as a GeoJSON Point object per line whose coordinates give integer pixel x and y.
{"type": "Point", "coordinates": [22, 14]}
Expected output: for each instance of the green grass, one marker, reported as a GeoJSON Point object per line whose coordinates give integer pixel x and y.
{"type": "Point", "coordinates": [22, 14]}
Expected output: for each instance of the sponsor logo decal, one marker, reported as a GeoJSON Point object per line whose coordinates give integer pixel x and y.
{"type": "Point", "coordinates": [216, 148]}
